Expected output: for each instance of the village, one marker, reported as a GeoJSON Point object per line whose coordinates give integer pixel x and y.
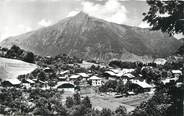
{"type": "Point", "coordinates": [128, 84]}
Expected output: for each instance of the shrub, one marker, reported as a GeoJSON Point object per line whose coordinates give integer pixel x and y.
{"type": "Point", "coordinates": [69, 102]}
{"type": "Point", "coordinates": [86, 102]}
{"type": "Point", "coordinates": [77, 99]}
{"type": "Point", "coordinates": [121, 110]}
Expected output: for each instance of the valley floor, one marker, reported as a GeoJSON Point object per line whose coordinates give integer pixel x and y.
{"type": "Point", "coordinates": [100, 101]}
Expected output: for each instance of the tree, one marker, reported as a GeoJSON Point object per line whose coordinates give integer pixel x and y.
{"type": "Point", "coordinates": [167, 16]}
{"type": "Point", "coordinates": [42, 76]}
{"type": "Point", "coordinates": [106, 112]}
{"type": "Point", "coordinates": [120, 87]}
{"type": "Point", "coordinates": [77, 99]}
{"type": "Point", "coordinates": [14, 52]}
{"type": "Point", "coordinates": [86, 102]}
{"type": "Point", "coordinates": [121, 110]}
{"type": "Point", "coordinates": [29, 57]}
{"type": "Point", "coordinates": [138, 112]}
{"type": "Point", "coordinates": [80, 110]}
{"type": "Point", "coordinates": [69, 102]}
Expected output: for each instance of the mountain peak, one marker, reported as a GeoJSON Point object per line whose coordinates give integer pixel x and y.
{"type": "Point", "coordinates": [82, 15]}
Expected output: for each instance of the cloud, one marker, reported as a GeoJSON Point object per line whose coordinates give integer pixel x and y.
{"type": "Point", "coordinates": [14, 31]}
{"type": "Point", "coordinates": [72, 13]}
{"type": "Point", "coordinates": [44, 23]}
{"type": "Point", "coordinates": [144, 25]}
{"type": "Point", "coordinates": [111, 10]}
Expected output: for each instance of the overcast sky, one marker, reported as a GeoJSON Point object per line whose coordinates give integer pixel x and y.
{"type": "Point", "coordinates": [20, 16]}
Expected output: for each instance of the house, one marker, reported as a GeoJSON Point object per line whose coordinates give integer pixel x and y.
{"type": "Point", "coordinates": [141, 86]}
{"type": "Point", "coordinates": [167, 80]}
{"type": "Point", "coordinates": [65, 86]}
{"type": "Point", "coordinates": [63, 73]}
{"type": "Point", "coordinates": [176, 73]}
{"type": "Point", "coordinates": [28, 81]}
{"type": "Point", "coordinates": [26, 85]}
{"type": "Point", "coordinates": [74, 77]}
{"type": "Point", "coordinates": [160, 61]}
{"type": "Point", "coordinates": [48, 70]}
{"type": "Point", "coordinates": [10, 82]}
{"type": "Point", "coordinates": [115, 70]}
{"type": "Point", "coordinates": [179, 84]}
{"type": "Point", "coordinates": [125, 70]}
{"type": "Point", "coordinates": [96, 81]}
{"type": "Point", "coordinates": [84, 76]}
{"type": "Point", "coordinates": [62, 78]}
{"type": "Point", "coordinates": [87, 65]}
{"type": "Point", "coordinates": [114, 74]}
{"type": "Point", "coordinates": [131, 93]}
{"type": "Point", "coordinates": [129, 75]}
{"type": "Point", "coordinates": [110, 75]}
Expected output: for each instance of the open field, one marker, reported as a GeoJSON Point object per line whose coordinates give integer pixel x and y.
{"type": "Point", "coordinates": [11, 68]}
{"type": "Point", "coordinates": [112, 103]}
{"type": "Point", "coordinates": [109, 101]}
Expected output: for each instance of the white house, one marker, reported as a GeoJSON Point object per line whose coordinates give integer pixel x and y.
{"type": "Point", "coordinates": [176, 73]}
{"type": "Point", "coordinates": [160, 61]}
{"type": "Point", "coordinates": [96, 81]}
{"type": "Point", "coordinates": [87, 65]}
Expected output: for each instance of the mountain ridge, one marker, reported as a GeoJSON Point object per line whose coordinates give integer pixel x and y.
{"type": "Point", "coordinates": [92, 38]}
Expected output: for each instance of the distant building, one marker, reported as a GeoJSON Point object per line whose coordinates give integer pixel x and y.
{"type": "Point", "coordinates": [74, 77]}
{"type": "Point", "coordinates": [10, 82]}
{"type": "Point", "coordinates": [62, 78]}
{"type": "Point", "coordinates": [176, 73]}
{"type": "Point", "coordinates": [129, 75]}
{"type": "Point", "coordinates": [62, 73]}
{"type": "Point", "coordinates": [87, 65]}
{"type": "Point", "coordinates": [160, 61]}
{"type": "Point", "coordinates": [83, 76]}
{"type": "Point", "coordinates": [48, 70]}
{"type": "Point", "coordinates": [114, 74]}
{"type": "Point", "coordinates": [110, 75]}
{"type": "Point", "coordinates": [141, 86]}
{"type": "Point", "coordinates": [28, 81]}
{"type": "Point", "coordinates": [96, 81]}
{"type": "Point", "coordinates": [168, 80]}
{"type": "Point", "coordinates": [65, 86]}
